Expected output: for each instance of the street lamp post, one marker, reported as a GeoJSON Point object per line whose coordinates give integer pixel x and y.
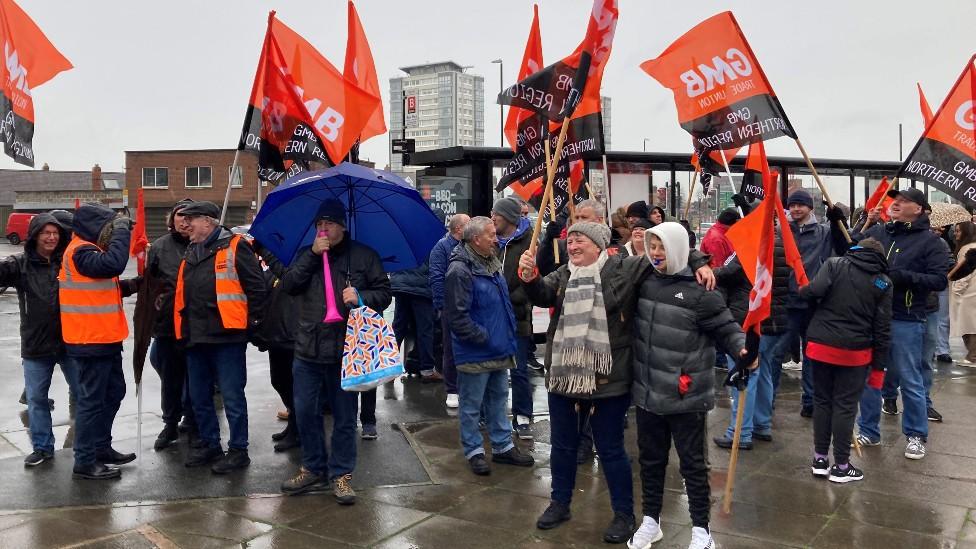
{"type": "Point", "coordinates": [501, 108]}
{"type": "Point", "coordinates": [646, 139]}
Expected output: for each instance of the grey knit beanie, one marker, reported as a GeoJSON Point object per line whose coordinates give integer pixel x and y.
{"type": "Point", "coordinates": [597, 232]}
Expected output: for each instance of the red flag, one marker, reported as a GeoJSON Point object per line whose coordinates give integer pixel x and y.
{"type": "Point", "coordinates": [77, 203]}
{"type": "Point", "coordinates": [923, 104]}
{"type": "Point", "coordinates": [531, 63]}
{"type": "Point", "coordinates": [575, 175]}
{"type": "Point", "coordinates": [301, 108]}
{"type": "Point", "coordinates": [723, 98]}
{"type": "Point", "coordinates": [139, 243]}
{"type": "Point", "coordinates": [945, 155]}
{"type": "Point", "coordinates": [29, 60]}
{"type": "Point", "coordinates": [360, 69]}
{"type": "Point", "coordinates": [756, 254]}
{"type": "Point", "coordinates": [598, 42]}
{"type": "Point", "coordinates": [880, 198]}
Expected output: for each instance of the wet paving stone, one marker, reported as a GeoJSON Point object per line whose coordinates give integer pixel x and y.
{"type": "Point", "coordinates": [129, 540]}
{"type": "Point", "coordinates": [785, 526]}
{"type": "Point", "coordinates": [121, 518]}
{"type": "Point", "coordinates": [815, 498]}
{"type": "Point", "coordinates": [442, 531]}
{"type": "Point", "coordinates": [364, 523]}
{"type": "Point", "coordinates": [208, 526]}
{"type": "Point", "coordinates": [845, 534]}
{"type": "Point", "coordinates": [433, 498]}
{"type": "Point", "coordinates": [43, 532]}
{"type": "Point", "coordinates": [283, 538]}
{"type": "Point", "coordinates": [896, 512]}
{"type": "Point", "coordinates": [501, 509]}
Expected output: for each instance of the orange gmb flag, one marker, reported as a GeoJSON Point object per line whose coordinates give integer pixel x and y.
{"type": "Point", "coordinates": [923, 104]}
{"type": "Point", "coordinates": [301, 108]}
{"type": "Point", "coordinates": [880, 198]}
{"type": "Point", "coordinates": [723, 98]}
{"type": "Point", "coordinates": [360, 69]}
{"type": "Point", "coordinates": [30, 60]}
{"type": "Point", "coordinates": [139, 242]}
{"type": "Point", "coordinates": [945, 156]}
{"type": "Point", "coordinates": [531, 64]}
{"type": "Point", "coordinates": [598, 42]}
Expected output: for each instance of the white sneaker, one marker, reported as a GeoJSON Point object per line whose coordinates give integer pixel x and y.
{"type": "Point", "coordinates": [648, 533]}
{"type": "Point", "coordinates": [452, 400]}
{"type": "Point", "coordinates": [915, 449]}
{"type": "Point", "coordinates": [701, 539]}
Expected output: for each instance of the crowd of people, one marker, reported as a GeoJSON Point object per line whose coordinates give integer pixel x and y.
{"type": "Point", "coordinates": [638, 317]}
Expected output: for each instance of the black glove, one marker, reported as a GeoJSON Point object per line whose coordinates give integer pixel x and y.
{"type": "Point", "coordinates": [122, 223]}
{"type": "Point", "coordinates": [742, 203]}
{"type": "Point", "coordinates": [836, 214]}
{"type": "Point", "coordinates": [899, 277]}
{"type": "Point", "coordinates": [738, 376]}
{"type": "Point", "coordinates": [555, 227]}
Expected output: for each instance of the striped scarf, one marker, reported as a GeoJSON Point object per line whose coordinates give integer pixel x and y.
{"type": "Point", "coordinates": [581, 344]}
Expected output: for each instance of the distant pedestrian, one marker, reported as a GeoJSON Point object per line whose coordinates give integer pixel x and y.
{"type": "Point", "coordinates": [715, 242]}
{"type": "Point", "coordinates": [440, 258]}
{"type": "Point", "coordinates": [962, 294]}
{"type": "Point", "coordinates": [847, 343]}
{"type": "Point", "coordinates": [483, 331]}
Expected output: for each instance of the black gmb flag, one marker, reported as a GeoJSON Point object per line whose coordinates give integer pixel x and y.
{"type": "Point", "coordinates": [945, 156]}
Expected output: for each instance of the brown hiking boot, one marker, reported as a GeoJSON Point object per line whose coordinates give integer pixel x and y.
{"type": "Point", "coordinates": [342, 489]}
{"type": "Point", "coordinates": [304, 481]}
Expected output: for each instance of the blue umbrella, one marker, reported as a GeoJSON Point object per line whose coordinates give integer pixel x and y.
{"type": "Point", "coordinates": [383, 212]}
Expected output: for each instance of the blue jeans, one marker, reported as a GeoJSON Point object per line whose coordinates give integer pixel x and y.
{"type": "Point", "coordinates": [889, 390]}
{"type": "Point", "coordinates": [607, 423]}
{"type": "Point", "coordinates": [521, 386]}
{"type": "Point", "coordinates": [905, 358]}
{"type": "Point", "coordinates": [225, 363]}
{"type": "Point", "coordinates": [798, 320]}
{"type": "Point", "coordinates": [771, 350]}
{"type": "Point", "coordinates": [748, 415]}
{"type": "Point", "coordinates": [315, 382]}
{"type": "Point", "coordinates": [942, 339]}
{"type": "Point", "coordinates": [37, 383]}
{"type": "Point", "coordinates": [490, 389]}
{"type": "Point", "coordinates": [101, 388]}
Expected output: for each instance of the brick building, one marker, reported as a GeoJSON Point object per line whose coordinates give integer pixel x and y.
{"type": "Point", "coordinates": [46, 189]}
{"type": "Point", "coordinates": [167, 176]}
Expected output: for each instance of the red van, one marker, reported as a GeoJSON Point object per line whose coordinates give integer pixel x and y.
{"type": "Point", "coordinates": [17, 227]}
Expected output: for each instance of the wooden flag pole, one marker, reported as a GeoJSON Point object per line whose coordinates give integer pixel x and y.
{"type": "Point", "coordinates": [734, 457]}
{"type": "Point", "coordinates": [823, 189]}
{"type": "Point", "coordinates": [230, 181]}
{"type": "Point", "coordinates": [691, 193]}
{"type": "Point", "coordinates": [555, 242]}
{"type": "Point", "coordinates": [547, 194]}
{"type": "Point", "coordinates": [856, 444]}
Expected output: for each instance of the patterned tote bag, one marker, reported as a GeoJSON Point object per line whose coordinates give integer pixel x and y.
{"type": "Point", "coordinates": [370, 355]}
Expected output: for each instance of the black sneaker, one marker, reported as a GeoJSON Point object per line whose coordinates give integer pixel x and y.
{"type": "Point", "coordinates": [305, 481]}
{"type": "Point", "coordinates": [169, 435]}
{"type": "Point", "coordinates": [37, 457]}
{"type": "Point", "coordinates": [806, 411]}
{"type": "Point", "coordinates": [944, 358]}
{"type": "Point", "coordinates": [204, 455]}
{"type": "Point", "coordinates": [95, 471]}
{"type": "Point", "coordinates": [851, 474]}
{"type": "Point", "coordinates": [235, 459]}
{"type": "Point", "coordinates": [765, 437]}
{"type": "Point", "coordinates": [514, 456]}
{"type": "Point", "coordinates": [554, 515]}
{"type": "Point", "coordinates": [890, 406]}
{"type": "Point", "coordinates": [275, 437]}
{"type": "Point", "coordinates": [288, 442]}
{"type": "Point", "coordinates": [113, 457]}
{"type": "Point", "coordinates": [479, 465]}
{"type": "Point", "coordinates": [726, 442]}
{"type": "Point", "coordinates": [934, 415]}
{"type": "Point", "coordinates": [620, 529]}
{"type": "Point", "coordinates": [820, 467]}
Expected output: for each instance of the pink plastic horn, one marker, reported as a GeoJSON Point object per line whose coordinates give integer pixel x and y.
{"type": "Point", "coordinates": [331, 312]}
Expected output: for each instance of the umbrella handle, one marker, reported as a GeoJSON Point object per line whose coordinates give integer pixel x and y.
{"type": "Point", "coordinates": [331, 311]}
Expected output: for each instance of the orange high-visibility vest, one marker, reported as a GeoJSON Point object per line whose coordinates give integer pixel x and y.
{"type": "Point", "coordinates": [91, 308]}
{"type": "Point", "coordinates": [231, 299]}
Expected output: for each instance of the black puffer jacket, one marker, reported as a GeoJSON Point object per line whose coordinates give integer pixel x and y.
{"type": "Point", "coordinates": [36, 280]}
{"type": "Point", "coordinates": [163, 263]}
{"type": "Point", "coordinates": [678, 325]}
{"type": "Point", "coordinates": [852, 300]}
{"type": "Point", "coordinates": [916, 264]}
{"type": "Point", "coordinates": [280, 320]}
{"type": "Point", "coordinates": [415, 282]}
{"type": "Point", "coordinates": [201, 318]}
{"type": "Point", "coordinates": [510, 255]}
{"type": "Point", "coordinates": [619, 278]}
{"type": "Point", "coordinates": [734, 283]}
{"type": "Point", "coordinates": [316, 341]}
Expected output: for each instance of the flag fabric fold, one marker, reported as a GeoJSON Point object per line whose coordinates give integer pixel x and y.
{"type": "Point", "coordinates": [139, 242]}
{"type": "Point", "coordinates": [880, 198]}
{"type": "Point", "coordinates": [30, 60]}
{"type": "Point", "coordinates": [923, 105]}
{"type": "Point", "coordinates": [359, 68]}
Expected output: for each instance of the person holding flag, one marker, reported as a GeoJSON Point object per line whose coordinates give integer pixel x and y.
{"type": "Point", "coordinates": [917, 265]}
{"type": "Point", "coordinates": [847, 343]}
{"type": "Point", "coordinates": [678, 324]}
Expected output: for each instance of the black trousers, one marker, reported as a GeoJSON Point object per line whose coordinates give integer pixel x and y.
{"type": "Point", "coordinates": [282, 380]}
{"type": "Point", "coordinates": [654, 436]}
{"type": "Point", "coordinates": [836, 394]}
{"type": "Point", "coordinates": [169, 361]}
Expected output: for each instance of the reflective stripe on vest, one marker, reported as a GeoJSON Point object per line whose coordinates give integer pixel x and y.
{"type": "Point", "coordinates": [91, 308]}
{"type": "Point", "coordinates": [231, 299]}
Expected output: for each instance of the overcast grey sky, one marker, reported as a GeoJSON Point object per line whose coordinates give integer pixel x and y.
{"type": "Point", "coordinates": [177, 74]}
